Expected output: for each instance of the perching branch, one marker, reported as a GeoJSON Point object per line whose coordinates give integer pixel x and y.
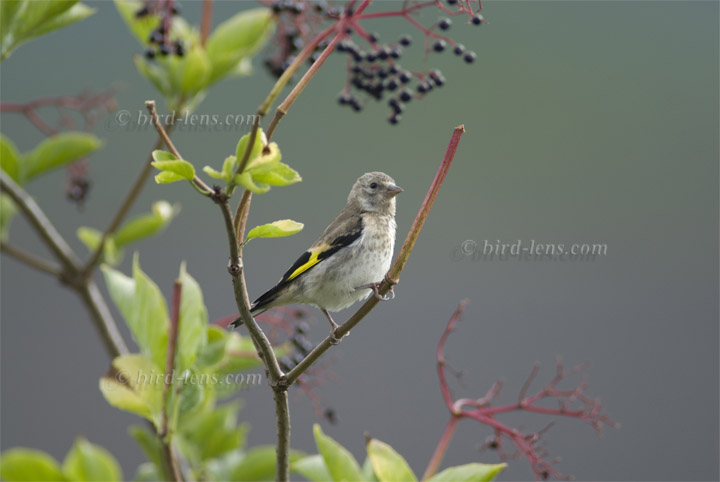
{"type": "Point", "coordinates": [391, 278]}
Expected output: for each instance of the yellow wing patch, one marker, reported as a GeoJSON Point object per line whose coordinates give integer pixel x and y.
{"type": "Point", "coordinates": [312, 261]}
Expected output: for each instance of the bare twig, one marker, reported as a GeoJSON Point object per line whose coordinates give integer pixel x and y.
{"type": "Point", "coordinates": [391, 277]}
{"type": "Point", "coordinates": [30, 259]}
{"type": "Point", "coordinates": [206, 22]}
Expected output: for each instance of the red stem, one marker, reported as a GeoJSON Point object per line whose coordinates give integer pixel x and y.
{"type": "Point", "coordinates": [441, 448]}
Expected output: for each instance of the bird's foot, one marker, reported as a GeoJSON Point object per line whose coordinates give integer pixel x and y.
{"type": "Point", "coordinates": [375, 287]}
{"type": "Point", "coordinates": [334, 340]}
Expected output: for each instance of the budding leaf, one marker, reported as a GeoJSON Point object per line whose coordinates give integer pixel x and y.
{"type": "Point", "coordinates": [173, 169]}
{"type": "Point", "coordinates": [57, 151]}
{"type": "Point", "coordinates": [89, 462]}
{"type": "Point", "coordinates": [276, 229]}
{"type": "Point", "coordinates": [134, 383]}
{"type": "Point", "coordinates": [339, 461]}
{"type": "Point", "coordinates": [257, 147]}
{"type": "Point", "coordinates": [21, 464]}
{"type": "Point", "coordinates": [9, 158]}
{"type": "Point", "coordinates": [474, 472]}
{"type": "Point", "coordinates": [246, 180]}
{"type": "Point", "coordinates": [312, 468]}
{"type": "Point", "coordinates": [387, 464]}
{"type": "Point", "coordinates": [146, 224]}
{"type": "Point", "coordinates": [275, 174]}
{"type": "Point", "coordinates": [195, 70]}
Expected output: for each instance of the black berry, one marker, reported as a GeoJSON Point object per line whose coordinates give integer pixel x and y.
{"type": "Point", "coordinates": [459, 49]}
{"type": "Point", "coordinates": [469, 57]}
{"type": "Point", "coordinates": [477, 19]}
{"type": "Point", "coordinates": [445, 24]}
{"type": "Point", "coordinates": [405, 96]}
{"type": "Point", "coordinates": [439, 46]}
{"type": "Point", "coordinates": [405, 40]}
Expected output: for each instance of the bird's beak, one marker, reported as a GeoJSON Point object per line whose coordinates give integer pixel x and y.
{"type": "Point", "coordinates": [394, 190]}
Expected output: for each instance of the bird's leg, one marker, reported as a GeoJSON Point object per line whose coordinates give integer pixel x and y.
{"type": "Point", "coordinates": [375, 287]}
{"type": "Point", "coordinates": [333, 339]}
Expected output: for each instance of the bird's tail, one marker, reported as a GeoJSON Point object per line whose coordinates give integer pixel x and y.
{"type": "Point", "coordinates": [254, 311]}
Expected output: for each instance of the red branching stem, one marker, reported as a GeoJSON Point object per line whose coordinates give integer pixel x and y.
{"type": "Point", "coordinates": [441, 448]}
{"type": "Point", "coordinates": [206, 22]}
{"type": "Point", "coordinates": [527, 444]}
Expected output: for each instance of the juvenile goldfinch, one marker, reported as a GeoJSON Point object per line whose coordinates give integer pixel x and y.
{"type": "Point", "coordinates": [350, 258]}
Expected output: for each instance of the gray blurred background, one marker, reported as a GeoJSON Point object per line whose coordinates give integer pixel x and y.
{"type": "Point", "coordinates": [587, 122]}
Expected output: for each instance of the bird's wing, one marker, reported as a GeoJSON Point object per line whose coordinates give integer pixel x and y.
{"type": "Point", "coordinates": [340, 234]}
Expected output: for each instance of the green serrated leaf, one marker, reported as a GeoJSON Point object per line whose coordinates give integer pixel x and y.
{"type": "Point", "coordinates": [269, 155]}
{"type": "Point", "coordinates": [7, 212]}
{"type": "Point", "coordinates": [145, 225]}
{"type": "Point", "coordinates": [260, 141]}
{"type": "Point", "coordinates": [140, 27]}
{"type": "Point", "coordinates": [312, 468]}
{"type": "Point", "coordinates": [276, 229]}
{"type": "Point", "coordinates": [57, 151]}
{"type": "Point", "coordinates": [89, 462]}
{"type": "Point", "coordinates": [29, 465]}
{"type": "Point", "coordinates": [174, 170]}
{"type": "Point", "coordinates": [469, 473]}
{"type": "Point", "coordinates": [74, 14]}
{"type": "Point", "coordinates": [193, 321]}
{"type": "Point", "coordinates": [388, 465]}
{"type": "Point", "coordinates": [154, 73]}
{"type": "Point", "coordinates": [149, 443]}
{"type": "Point", "coordinates": [237, 38]}
{"type": "Point", "coordinates": [196, 71]}
{"type": "Point", "coordinates": [135, 384]}
{"type": "Point", "coordinates": [142, 305]}
{"type": "Point", "coordinates": [340, 463]}
{"type": "Point", "coordinates": [245, 180]}
{"type": "Point", "coordinates": [275, 174]}
{"type": "Point", "coordinates": [9, 158]}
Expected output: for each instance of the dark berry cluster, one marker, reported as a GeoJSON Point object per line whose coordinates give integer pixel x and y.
{"type": "Point", "coordinates": [297, 23]}
{"type": "Point", "coordinates": [377, 74]}
{"type": "Point", "coordinates": [302, 347]}
{"type": "Point", "coordinates": [159, 38]}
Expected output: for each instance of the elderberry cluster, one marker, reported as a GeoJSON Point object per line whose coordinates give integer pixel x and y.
{"type": "Point", "coordinates": [159, 38]}
{"type": "Point", "coordinates": [378, 75]}
{"type": "Point", "coordinates": [296, 21]}
{"type": "Point", "coordinates": [302, 347]}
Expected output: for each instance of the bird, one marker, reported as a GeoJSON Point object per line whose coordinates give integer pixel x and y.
{"type": "Point", "coordinates": [350, 258]}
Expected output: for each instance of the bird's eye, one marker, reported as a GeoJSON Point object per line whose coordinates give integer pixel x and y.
{"type": "Point", "coordinates": [373, 185]}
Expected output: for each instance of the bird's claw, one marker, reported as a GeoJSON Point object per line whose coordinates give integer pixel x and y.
{"type": "Point", "coordinates": [334, 340]}
{"type": "Point", "coordinates": [375, 287]}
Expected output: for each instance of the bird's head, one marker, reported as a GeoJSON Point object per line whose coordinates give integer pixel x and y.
{"type": "Point", "coordinates": [375, 192]}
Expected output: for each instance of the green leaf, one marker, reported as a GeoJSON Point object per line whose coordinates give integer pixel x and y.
{"type": "Point", "coordinates": [270, 154]}
{"type": "Point", "coordinates": [227, 169]}
{"type": "Point", "coordinates": [258, 464]}
{"type": "Point", "coordinates": [368, 471]}
{"type": "Point", "coordinates": [276, 229]}
{"type": "Point", "coordinates": [173, 169]}
{"type": "Point", "coordinates": [57, 151]}
{"type": "Point", "coordinates": [388, 465]}
{"type": "Point", "coordinates": [142, 305]}
{"type": "Point", "coordinates": [312, 468]}
{"type": "Point", "coordinates": [193, 321]}
{"type": "Point", "coordinates": [9, 158]}
{"type": "Point", "coordinates": [89, 462]}
{"type": "Point", "coordinates": [91, 237]}
{"type": "Point", "coordinates": [23, 20]}
{"type": "Point", "coordinates": [214, 432]}
{"type": "Point", "coordinates": [245, 180]}
{"type": "Point", "coordinates": [28, 465]}
{"type": "Point", "coordinates": [145, 225]}
{"type": "Point", "coordinates": [257, 147]}
{"type": "Point", "coordinates": [140, 27]}
{"type": "Point", "coordinates": [236, 38]}
{"type": "Point", "coordinates": [212, 353]}
{"type": "Point", "coordinates": [196, 70]}
{"type": "Point", "coordinates": [7, 212]}
{"type": "Point", "coordinates": [276, 174]}
{"type": "Point", "coordinates": [340, 463]}
{"type": "Point", "coordinates": [154, 73]}
{"type": "Point", "coordinates": [469, 473]}
{"type": "Point", "coordinates": [147, 472]}
{"type": "Point", "coordinates": [135, 384]}
{"type": "Point", "coordinates": [149, 444]}
{"type": "Point", "coordinates": [76, 13]}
